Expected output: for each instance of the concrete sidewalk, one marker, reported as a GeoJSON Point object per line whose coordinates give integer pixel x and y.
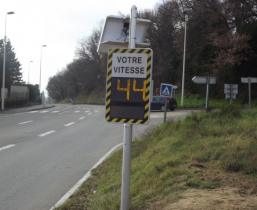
{"type": "Point", "coordinates": [26, 109]}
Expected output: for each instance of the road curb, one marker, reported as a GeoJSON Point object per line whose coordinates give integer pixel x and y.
{"type": "Point", "coordinates": [46, 107]}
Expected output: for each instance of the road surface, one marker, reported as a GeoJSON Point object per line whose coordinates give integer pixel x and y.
{"type": "Point", "coordinates": [43, 153]}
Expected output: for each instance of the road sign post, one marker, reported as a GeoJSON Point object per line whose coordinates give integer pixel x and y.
{"type": "Point", "coordinates": [166, 91]}
{"type": "Point", "coordinates": [174, 87]}
{"type": "Point", "coordinates": [128, 88]}
{"type": "Point", "coordinates": [126, 161]}
{"type": "Point", "coordinates": [207, 93]}
{"type": "Point", "coordinates": [207, 81]}
{"type": "Point", "coordinates": [128, 95]}
{"type": "Point", "coordinates": [249, 80]}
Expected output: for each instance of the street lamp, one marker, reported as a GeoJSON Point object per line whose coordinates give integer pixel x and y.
{"type": "Point", "coordinates": [40, 69]}
{"type": "Point", "coordinates": [29, 70]}
{"type": "Point", "coordinates": [3, 82]}
{"type": "Point", "coordinates": [184, 59]}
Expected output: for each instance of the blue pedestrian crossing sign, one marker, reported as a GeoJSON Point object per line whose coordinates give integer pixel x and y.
{"type": "Point", "coordinates": [166, 90]}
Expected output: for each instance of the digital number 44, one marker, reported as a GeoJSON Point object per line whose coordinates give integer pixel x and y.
{"type": "Point", "coordinates": [127, 89]}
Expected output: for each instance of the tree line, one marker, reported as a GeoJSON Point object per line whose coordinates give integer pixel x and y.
{"type": "Point", "coordinates": [221, 41]}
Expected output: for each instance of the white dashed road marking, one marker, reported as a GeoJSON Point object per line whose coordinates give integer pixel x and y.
{"type": "Point", "coordinates": [46, 133]}
{"type": "Point", "coordinates": [69, 124]}
{"type": "Point", "coordinates": [25, 122]}
{"type": "Point", "coordinates": [7, 147]}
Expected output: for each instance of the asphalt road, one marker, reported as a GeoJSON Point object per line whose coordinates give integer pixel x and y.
{"type": "Point", "coordinates": [43, 153]}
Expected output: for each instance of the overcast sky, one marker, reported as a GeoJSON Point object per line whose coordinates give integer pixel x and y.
{"type": "Point", "coordinates": [59, 24]}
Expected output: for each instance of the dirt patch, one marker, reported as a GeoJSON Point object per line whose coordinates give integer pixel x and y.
{"type": "Point", "coordinates": [235, 191]}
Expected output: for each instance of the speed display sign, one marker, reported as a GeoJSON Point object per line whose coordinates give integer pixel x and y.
{"type": "Point", "coordinates": [128, 85]}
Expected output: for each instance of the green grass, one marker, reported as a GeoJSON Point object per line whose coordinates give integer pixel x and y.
{"type": "Point", "coordinates": [227, 136]}
{"type": "Point", "coordinates": [196, 101]}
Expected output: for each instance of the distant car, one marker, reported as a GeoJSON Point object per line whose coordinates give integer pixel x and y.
{"type": "Point", "coordinates": [158, 103]}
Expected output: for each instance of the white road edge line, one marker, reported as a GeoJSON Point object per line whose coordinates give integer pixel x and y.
{"type": "Point", "coordinates": [69, 124]}
{"type": "Point", "coordinates": [46, 133]}
{"type": "Point", "coordinates": [7, 147]}
{"type": "Point", "coordinates": [87, 175]}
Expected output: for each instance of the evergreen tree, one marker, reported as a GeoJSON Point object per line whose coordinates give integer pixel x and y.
{"type": "Point", "coordinates": [13, 73]}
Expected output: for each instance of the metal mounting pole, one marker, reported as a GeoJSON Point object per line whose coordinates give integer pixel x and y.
{"type": "Point", "coordinates": [125, 189]}
{"type": "Point", "coordinates": [231, 95]}
{"type": "Point", "coordinates": [250, 93]}
{"type": "Point", "coordinates": [184, 61]}
{"type": "Point", "coordinates": [207, 93]}
{"type": "Point", "coordinates": [126, 166]}
{"type": "Point", "coordinates": [165, 109]}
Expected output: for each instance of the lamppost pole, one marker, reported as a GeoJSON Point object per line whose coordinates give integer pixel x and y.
{"type": "Point", "coordinates": [184, 59]}
{"type": "Point", "coordinates": [3, 82]}
{"type": "Point", "coordinates": [40, 70]}
{"type": "Point", "coordinates": [29, 70]}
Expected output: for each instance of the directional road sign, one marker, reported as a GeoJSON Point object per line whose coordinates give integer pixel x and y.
{"type": "Point", "coordinates": [230, 96]}
{"type": "Point", "coordinates": [231, 89]}
{"type": "Point", "coordinates": [207, 81]}
{"type": "Point", "coordinates": [166, 90]}
{"type": "Point", "coordinates": [249, 79]}
{"type": "Point", "coordinates": [204, 80]}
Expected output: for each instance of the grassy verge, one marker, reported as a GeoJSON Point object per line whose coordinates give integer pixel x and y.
{"type": "Point", "coordinates": [190, 101]}
{"type": "Point", "coordinates": [227, 137]}
{"type": "Point", "coordinates": [195, 101]}
{"type": "Point", "coordinates": [95, 97]}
